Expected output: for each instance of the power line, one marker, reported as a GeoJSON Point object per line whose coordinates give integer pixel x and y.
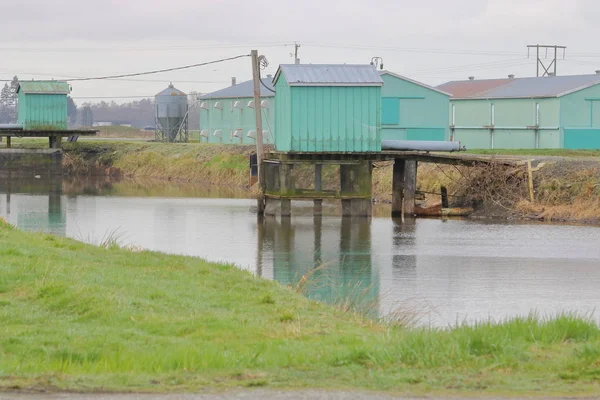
{"type": "Point", "coordinates": [159, 70]}
{"type": "Point", "coordinates": [415, 50]}
{"type": "Point", "coordinates": [135, 49]}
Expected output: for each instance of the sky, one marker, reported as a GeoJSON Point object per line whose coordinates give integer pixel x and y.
{"type": "Point", "coordinates": [431, 41]}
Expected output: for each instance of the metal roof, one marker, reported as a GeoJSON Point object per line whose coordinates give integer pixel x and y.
{"type": "Point", "coordinates": [243, 89]}
{"type": "Point", "coordinates": [171, 91]}
{"type": "Point", "coordinates": [44, 87]}
{"type": "Point", "coordinates": [537, 87]}
{"type": "Point", "coordinates": [413, 81]}
{"type": "Point", "coordinates": [329, 75]}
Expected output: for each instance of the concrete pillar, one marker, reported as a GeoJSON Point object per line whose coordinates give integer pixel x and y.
{"type": "Point", "coordinates": [272, 206]}
{"type": "Point", "coordinates": [286, 207]}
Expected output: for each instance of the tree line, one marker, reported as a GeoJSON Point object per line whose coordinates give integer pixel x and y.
{"type": "Point", "coordinates": [137, 113]}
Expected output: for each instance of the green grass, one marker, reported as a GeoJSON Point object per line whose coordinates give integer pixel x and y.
{"type": "Point", "coordinates": [79, 317]}
{"type": "Point", "coordinates": [538, 152]}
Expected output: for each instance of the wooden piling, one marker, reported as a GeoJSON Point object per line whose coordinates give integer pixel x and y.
{"type": "Point", "coordinates": [410, 187]}
{"type": "Point", "coordinates": [444, 192]}
{"type": "Point", "coordinates": [398, 186]}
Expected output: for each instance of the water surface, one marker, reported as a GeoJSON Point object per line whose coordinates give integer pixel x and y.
{"type": "Point", "coordinates": [444, 271]}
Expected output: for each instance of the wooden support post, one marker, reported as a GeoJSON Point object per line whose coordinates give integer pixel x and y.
{"type": "Point", "coordinates": [286, 188]}
{"type": "Point", "coordinates": [318, 203]}
{"type": "Point", "coordinates": [356, 186]}
{"type": "Point", "coordinates": [8, 142]}
{"type": "Point", "coordinates": [398, 187]}
{"type": "Point", "coordinates": [530, 182]}
{"type": "Point", "coordinates": [259, 132]}
{"type": "Point", "coordinates": [317, 207]}
{"type": "Point", "coordinates": [444, 192]}
{"type": "Point", "coordinates": [318, 177]}
{"type": "Point", "coordinates": [410, 187]}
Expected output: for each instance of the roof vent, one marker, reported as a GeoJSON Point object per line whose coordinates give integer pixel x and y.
{"type": "Point", "coordinates": [233, 81]}
{"type": "Point", "coordinates": [471, 78]}
{"type": "Point", "coordinates": [511, 76]}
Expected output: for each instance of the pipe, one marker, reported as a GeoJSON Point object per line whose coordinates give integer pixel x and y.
{"type": "Point", "coordinates": [420, 145]}
{"type": "Point", "coordinates": [11, 127]}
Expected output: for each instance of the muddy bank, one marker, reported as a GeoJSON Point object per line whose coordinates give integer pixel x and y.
{"type": "Point", "coordinates": [564, 188]}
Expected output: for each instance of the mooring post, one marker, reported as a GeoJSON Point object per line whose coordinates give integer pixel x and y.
{"type": "Point", "coordinates": [398, 186]}
{"type": "Point", "coordinates": [410, 187]}
{"type": "Point", "coordinates": [444, 193]}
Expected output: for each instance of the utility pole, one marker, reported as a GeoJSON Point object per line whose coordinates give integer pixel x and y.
{"type": "Point", "coordinates": [296, 47]}
{"type": "Point", "coordinates": [540, 62]}
{"type": "Point", "coordinates": [259, 132]}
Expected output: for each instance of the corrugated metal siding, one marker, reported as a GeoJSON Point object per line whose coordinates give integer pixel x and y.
{"type": "Point", "coordinates": [421, 111]}
{"type": "Point", "coordinates": [43, 111]}
{"type": "Point", "coordinates": [329, 74]}
{"type": "Point", "coordinates": [283, 115]}
{"type": "Point", "coordinates": [577, 139]}
{"type": "Point", "coordinates": [332, 119]}
{"type": "Point", "coordinates": [231, 119]}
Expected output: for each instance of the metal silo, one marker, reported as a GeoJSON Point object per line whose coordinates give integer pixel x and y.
{"type": "Point", "coordinates": [171, 115]}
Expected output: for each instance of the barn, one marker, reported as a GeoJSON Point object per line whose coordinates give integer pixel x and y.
{"type": "Point", "coordinates": [551, 112]}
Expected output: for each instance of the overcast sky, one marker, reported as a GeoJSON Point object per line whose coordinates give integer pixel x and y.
{"type": "Point", "coordinates": [433, 41]}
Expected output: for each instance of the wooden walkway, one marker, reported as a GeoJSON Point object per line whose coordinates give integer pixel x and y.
{"type": "Point", "coordinates": [54, 137]}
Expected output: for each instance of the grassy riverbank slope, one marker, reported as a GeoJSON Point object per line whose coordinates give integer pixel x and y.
{"type": "Point", "coordinates": [79, 317]}
{"type": "Point", "coordinates": [567, 186]}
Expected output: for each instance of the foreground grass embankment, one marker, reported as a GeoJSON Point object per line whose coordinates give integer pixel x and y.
{"type": "Point", "coordinates": [79, 317]}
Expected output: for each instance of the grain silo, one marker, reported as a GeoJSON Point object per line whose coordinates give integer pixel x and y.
{"type": "Point", "coordinates": [171, 115]}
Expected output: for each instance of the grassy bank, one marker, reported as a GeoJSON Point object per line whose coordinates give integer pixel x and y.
{"type": "Point", "coordinates": [78, 317]}
{"type": "Point", "coordinates": [567, 187]}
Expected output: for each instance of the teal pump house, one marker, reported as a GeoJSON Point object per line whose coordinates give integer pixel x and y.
{"type": "Point", "coordinates": [228, 115]}
{"type": "Point", "coordinates": [412, 110]}
{"type": "Point", "coordinates": [550, 112]}
{"type": "Point", "coordinates": [43, 105]}
{"type": "Point", "coordinates": [327, 108]}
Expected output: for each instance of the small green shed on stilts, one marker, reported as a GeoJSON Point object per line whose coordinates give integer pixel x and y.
{"type": "Point", "coordinates": [43, 105]}
{"type": "Point", "coordinates": [327, 108]}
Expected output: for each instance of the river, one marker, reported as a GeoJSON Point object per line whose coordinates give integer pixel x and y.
{"type": "Point", "coordinates": [439, 272]}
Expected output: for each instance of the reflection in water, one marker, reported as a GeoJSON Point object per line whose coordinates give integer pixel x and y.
{"type": "Point", "coordinates": [329, 260]}
{"type": "Point", "coordinates": [443, 271]}
{"type": "Point", "coordinates": [43, 212]}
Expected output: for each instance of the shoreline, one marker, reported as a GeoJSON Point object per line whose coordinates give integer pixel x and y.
{"type": "Point", "coordinates": [566, 189]}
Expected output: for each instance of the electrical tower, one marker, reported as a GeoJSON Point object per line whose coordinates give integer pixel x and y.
{"type": "Point", "coordinates": [295, 53]}
{"type": "Point", "coordinates": [554, 58]}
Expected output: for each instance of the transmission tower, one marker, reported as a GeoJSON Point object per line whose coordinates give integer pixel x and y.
{"type": "Point", "coordinates": [541, 63]}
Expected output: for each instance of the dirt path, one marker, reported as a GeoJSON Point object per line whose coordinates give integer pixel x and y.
{"type": "Point", "coordinates": [248, 395]}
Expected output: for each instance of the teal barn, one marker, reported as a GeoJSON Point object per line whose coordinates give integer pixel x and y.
{"type": "Point", "coordinates": [43, 105]}
{"type": "Point", "coordinates": [550, 112]}
{"type": "Point", "coordinates": [412, 110]}
{"type": "Point", "coordinates": [327, 108]}
{"type": "Point", "coordinates": [228, 115]}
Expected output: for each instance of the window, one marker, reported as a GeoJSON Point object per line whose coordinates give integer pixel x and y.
{"type": "Point", "coordinates": [453, 114]}
{"type": "Point", "coordinates": [493, 115]}
{"type": "Point", "coordinates": [390, 111]}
